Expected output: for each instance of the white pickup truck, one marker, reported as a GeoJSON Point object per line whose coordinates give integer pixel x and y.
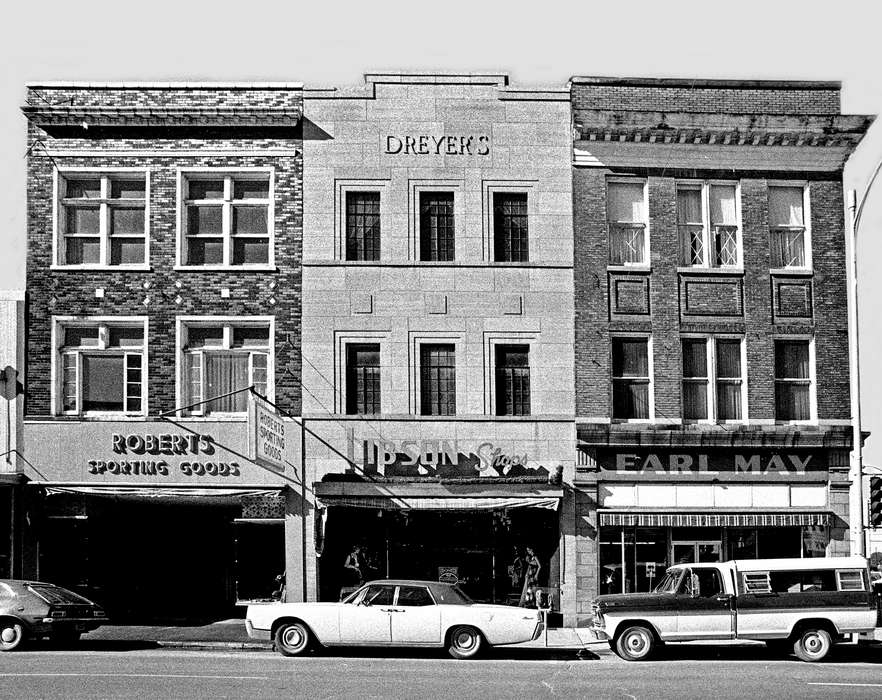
{"type": "Point", "coordinates": [806, 604]}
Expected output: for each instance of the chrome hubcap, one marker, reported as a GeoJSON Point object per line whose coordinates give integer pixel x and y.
{"type": "Point", "coordinates": [464, 640]}
{"type": "Point", "coordinates": [293, 638]}
{"type": "Point", "coordinates": [8, 634]}
{"type": "Point", "coordinates": [813, 644]}
{"type": "Point", "coordinates": [636, 642]}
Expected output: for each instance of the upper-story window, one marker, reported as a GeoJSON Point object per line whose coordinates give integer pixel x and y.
{"type": "Point", "coordinates": [438, 379]}
{"type": "Point", "coordinates": [363, 378]}
{"type": "Point", "coordinates": [790, 240]}
{"type": "Point", "coordinates": [512, 380]}
{"type": "Point", "coordinates": [102, 367]}
{"type": "Point", "coordinates": [102, 219]}
{"type": "Point", "coordinates": [713, 385]}
{"type": "Point", "coordinates": [510, 227]}
{"type": "Point", "coordinates": [227, 219]}
{"type": "Point", "coordinates": [707, 216]}
{"type": "Point", "coordinates": [631, 378]}
{"type": "Point", "coordinates": [626, 216]}
{"type": "Point", "coordinates": [362, 225]}
{"type": "Point", "coordinates": [222, 359]}
{"type": "Point", "coordinates": [437, 229]}
{"type": "Point", "coordinates": [793, 379]}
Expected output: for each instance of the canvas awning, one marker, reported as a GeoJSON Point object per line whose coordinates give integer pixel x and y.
{"type": "Point", "coordinates": [715, 519]}
{"type": "Point", "coordinates": [418, 503]}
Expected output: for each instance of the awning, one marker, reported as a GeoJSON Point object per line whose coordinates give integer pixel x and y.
{"type": "Point", "coordinates": [416, 503]}
{"type": "Point", "coordinates": [159, 492]}
{"type": "Point", "coordinates": [716, 519]}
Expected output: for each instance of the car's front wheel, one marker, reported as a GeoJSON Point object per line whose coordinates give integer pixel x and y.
{"type": "Point", "coordinates": [812, 644]}
{"type": "Point", "coordinates": [292, 638]}
{"type": "Point", "coordinates": [11, 635]}
{"type": "Point", "coordinates": [635, 643]}
{"type": "Point", "coordinates": [465, 642]}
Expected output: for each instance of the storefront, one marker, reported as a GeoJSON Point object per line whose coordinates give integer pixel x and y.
{"type": "Point", "coordinates": [652, 506]}
{"type": "Point", "coordinates": [457, 509]}
{"type": "Point", "coordinates": [158, 520]}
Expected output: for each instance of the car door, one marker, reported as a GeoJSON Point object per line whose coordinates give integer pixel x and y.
{"type": "Point", "coordinates": [366, 620]}
{"type": "Point", "coordinates": [704, 609]}
{"type": "Point", "coordinates": [416, 619]}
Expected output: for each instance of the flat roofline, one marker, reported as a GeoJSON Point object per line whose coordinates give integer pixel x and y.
{"type": "Point", "coordinates": [438, 77]}
{"type": "Point", "coordinates": [708, 83]}
{"type": "Point", "coordinates": [174, 85]}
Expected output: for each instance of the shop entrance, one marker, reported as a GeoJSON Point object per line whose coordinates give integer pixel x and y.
{"type": "Point", "coordinates": [478, 549]}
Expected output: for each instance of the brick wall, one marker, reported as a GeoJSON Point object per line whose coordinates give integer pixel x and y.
{"type": "Point", "coordinates": [706, 99]}
{"type": "Point", "coordinates": [68, 292]}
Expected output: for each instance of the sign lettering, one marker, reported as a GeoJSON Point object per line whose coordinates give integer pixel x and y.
{"type": "Point", "coordinates": [425, 145]}
{"type": "Point", "coordinates": [700, 462]}
{"type": "Point", "coordinates": [134, 449]}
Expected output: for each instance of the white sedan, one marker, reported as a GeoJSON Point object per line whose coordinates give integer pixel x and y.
{"type": "Point", "coordinates": [394, 613]}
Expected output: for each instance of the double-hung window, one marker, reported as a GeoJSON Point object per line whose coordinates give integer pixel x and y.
{"type": "Point", "coordinates": [512, 380]}
{"type": "Point", "coordinates": [787, 226]}
{"type": "Point", "coordinates": [510, 227]}
{"type": "Point", "coordinates": [102, 367]}
{"type": "Point", "coordinates": [362, 225]}
{"type": "Point", "coordinates": [631, 378]}
{"type": "Point", "coordinates": [102, 219]}
{"type": "Point", "coordinates": [363, 378]}
{"type": "Point", "coordinates": [708, 221]}
{"type": "Point", "coordinates": [793, 379]}
{"type": "Point", "coordinates": [712, 379]}
{"type": "Point", "coordinates": [438, 379]}
{"type": "Point", "coordinates": [626, 218]}
{"type": "Point", "coordinates": [437, 230]}
{"type": "Point", "coordinates": [227, 219]}
{"type": "Point", "coordinates": [220, 360]}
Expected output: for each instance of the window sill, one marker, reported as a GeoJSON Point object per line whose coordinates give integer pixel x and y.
{"type": "Point", "coordinates": [103, 417]}
{"type": "Point", "coordinates": [101, 268]}
{"type": "Point", "coordinates": [629, 268]}
{"type": "Point", "coordinates": [428, 264]}
{"type": "Point", "coordinates": [793, 271]}
{"type": "Point", "coordinates": [226, 268]}
{"type": "Point", "coordinates": [699, 270]}
{"type": "Point", "coordinates": [216, 418]}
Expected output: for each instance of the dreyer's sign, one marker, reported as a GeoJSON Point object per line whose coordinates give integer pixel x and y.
{"type": "Point", "coordinates": [426, 145]}
{"type": "Point", "coordinates": [442, 458]}
{"type": "Point", "coordinates": [766, 462]}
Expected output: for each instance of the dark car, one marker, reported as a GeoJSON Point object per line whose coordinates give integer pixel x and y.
{"type": "Point", "coordinates": [32, 609]}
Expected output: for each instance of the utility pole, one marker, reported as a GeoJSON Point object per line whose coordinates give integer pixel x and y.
{"type": "Point", "coordinates": [856, 471]}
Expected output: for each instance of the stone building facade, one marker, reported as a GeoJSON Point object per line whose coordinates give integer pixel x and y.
{"type": "Point", "coordinates": [712, 394]}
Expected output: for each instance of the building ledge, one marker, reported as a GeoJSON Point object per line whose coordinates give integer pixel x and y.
{"type": "Point", "coordinates": [103, 116]}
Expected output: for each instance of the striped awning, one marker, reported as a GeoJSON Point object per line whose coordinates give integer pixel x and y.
{"type": "Point", "coordinates": [440, 503]}
{"type": "Point", "coordinates": [761, 519]}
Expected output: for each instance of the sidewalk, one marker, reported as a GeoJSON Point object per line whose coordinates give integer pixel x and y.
{"type": "Point", "coordinates": [231, 634]}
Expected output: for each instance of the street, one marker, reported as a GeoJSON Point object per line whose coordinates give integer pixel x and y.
{"type": "Point", "coordinates": [689, 671]}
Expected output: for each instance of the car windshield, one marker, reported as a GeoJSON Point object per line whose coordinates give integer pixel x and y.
{"type": "Point", "coordinates": [669, 581]}
{"type": "Point", "coordinates": [57, 596]}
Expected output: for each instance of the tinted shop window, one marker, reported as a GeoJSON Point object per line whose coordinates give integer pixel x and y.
{"type": "Point", "coordinates": [362, 225]}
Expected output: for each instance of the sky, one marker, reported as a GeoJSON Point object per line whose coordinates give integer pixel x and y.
{"type": "Point", "coordinates": [536, 43]}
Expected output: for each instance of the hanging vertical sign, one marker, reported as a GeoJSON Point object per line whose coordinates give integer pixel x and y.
{"type": "Point", "coordinates": [266, 434]}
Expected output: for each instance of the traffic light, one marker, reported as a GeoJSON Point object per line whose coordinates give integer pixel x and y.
{"type": "Point", "coordinates": [875, 501]}
{"type": "Point", "coordinates": [10, 387]}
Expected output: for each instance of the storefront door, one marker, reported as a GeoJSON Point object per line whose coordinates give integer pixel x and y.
{"type": "Point", "coordinates": [696, 552]}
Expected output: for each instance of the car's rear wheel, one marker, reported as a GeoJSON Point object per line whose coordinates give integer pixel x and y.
{"type": "Point", "coordinates": [292, 638]}
{"type": "Point", "coordinates": [465, 642]}
{"type": "Point", "coordinates": [636, 643]}
{"type": "Point", "coordinates": [11, 635]}
{"type": "Point", "coordinates": [812, 644]}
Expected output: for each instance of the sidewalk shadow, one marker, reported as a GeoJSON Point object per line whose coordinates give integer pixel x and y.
{"type": "Point", "coordinates": [841, 653]}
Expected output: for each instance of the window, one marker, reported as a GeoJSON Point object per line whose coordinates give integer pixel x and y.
{"type": "Point", "coordinates": [510, 231]}
{"type": "Point", "coordinates": [414, 596]}
{"type": "Point", "coordinates": [102, 368]}
{"type": "Point", "coordinates": [851, 580]}
{"type": "Point", "coordinates": [103, 219]}
{"type": "Point", "coordinates": [631, 380]}
{"type": "Point", "coordinates": [362, 225]}
{"type": "Point", "coordinates": [362, 378]}
{"type": "Point", "coordinates": [802, 581]}
{"type": "Point", "coordinates": [626, 216]}
{"type": "Point", "coordinates": [757, 582]}
{"type": "Point", "coordinates": [220, 358]}
{"type": "Point", "coordinates": [438, 380]}
{"type": "Point", "coordinates": [789, 236]}
{"type": "Point", "coordinates": [227, 219]}
{"type": "Point", "coordinates": [792, 380]}
{"type": "Point", "coordinates": [712, 379]}
{"type": "Point", "coordinates": [437, 230]}
{"type": "Point", "coordinates": [376, 594]}
{"type": "Point", "coordinates": [512, 380]}
{"type": "Point", "coordinates": [708, 223]}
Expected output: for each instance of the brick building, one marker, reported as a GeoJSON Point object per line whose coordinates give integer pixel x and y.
{"type": "Point", "coordinates": [438, 332]}
{"type": "Point", "coordinates": [163, 278]}
{"type": "Point", "coordinates": [712, 393]}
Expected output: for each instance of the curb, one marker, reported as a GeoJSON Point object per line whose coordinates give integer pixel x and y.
{"type": "Point", "coordinates": [238, 646]}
